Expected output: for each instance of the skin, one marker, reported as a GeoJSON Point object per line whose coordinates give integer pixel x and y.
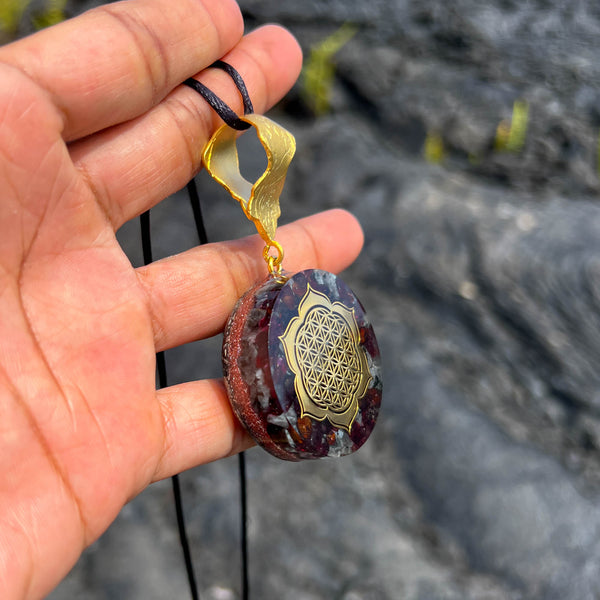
{"type": "Point", "coordinates": [94, 130]}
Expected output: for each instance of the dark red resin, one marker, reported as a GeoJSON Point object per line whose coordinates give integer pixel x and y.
{"type": "Point", "coordinates": [260, 383]}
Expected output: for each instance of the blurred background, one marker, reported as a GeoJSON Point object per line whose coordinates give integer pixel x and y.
{"type": "Point", "coordinates": [464, 135]}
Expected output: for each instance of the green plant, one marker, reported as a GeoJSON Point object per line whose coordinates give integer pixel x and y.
{"type": "Point", "coordinates": [433, 149]}
{"type": "Point", "coordinates": [510, 136]}
{"type": "Point", "coordinates": [318, 74]}
{"type": "Point", "coordinates": [11, 12]}
{"type": "Point", "coordinates": [54, 13]}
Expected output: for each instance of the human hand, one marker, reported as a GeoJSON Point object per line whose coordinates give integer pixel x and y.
{"type": "Point", "coordinates": [94, 130]}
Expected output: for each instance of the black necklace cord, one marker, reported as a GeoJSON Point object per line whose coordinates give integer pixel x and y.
{"type": "Point", "coordinates": [239, 83]}
{"type": "Point", "coordinates": [161, 368]}
{"type": "Point", "coordinates": [244, 525]}
{"type": "Point", "coordinates": [231, 119]}
{"type": "Point", "coordinates": [223, 110]}
{"type": "Point", "coordinates": [192, 191]}
{"type": "Point", "coordinates": [183, 538]}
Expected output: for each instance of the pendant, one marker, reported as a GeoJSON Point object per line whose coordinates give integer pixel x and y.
{"type": "Point", "coordinates": [300, 358]}
{"type": "Point", "coordinates": [302, 367]}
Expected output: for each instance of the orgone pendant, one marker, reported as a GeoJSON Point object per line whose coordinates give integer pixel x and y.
{"type": "Point", "coordinates": [300, 358]}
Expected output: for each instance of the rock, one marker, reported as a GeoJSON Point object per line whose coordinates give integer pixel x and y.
{"type": "Point", "coordinates": [481, 276]}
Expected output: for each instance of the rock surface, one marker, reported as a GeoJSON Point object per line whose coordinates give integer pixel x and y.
{"type": "Point", "coordinates": [481, 275]}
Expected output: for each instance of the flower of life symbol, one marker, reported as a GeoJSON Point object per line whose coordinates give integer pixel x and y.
{"type": "Point", "coordinates": [328, 359]}
{"type": "Point", "coordinates": [322, 346]}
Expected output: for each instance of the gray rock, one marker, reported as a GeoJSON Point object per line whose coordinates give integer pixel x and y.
{"type": "Point", "coordinates": [481, 275]}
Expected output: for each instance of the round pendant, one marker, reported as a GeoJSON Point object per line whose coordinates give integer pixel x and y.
{"type": "Point", "coordinates": [302, 366]}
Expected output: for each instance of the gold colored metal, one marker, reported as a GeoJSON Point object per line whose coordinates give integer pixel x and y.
{"type": "Point", "coordinates": [273, 262]}
{"type": "Point", "coordinates": [322, 348]}
{"type": "Point", "coordinates": [259, 200]}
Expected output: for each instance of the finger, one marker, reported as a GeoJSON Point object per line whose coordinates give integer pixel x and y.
{"type": "Point", "coordinates": [113, 63]}
{"type": "Point", "coordinates": [199, 426]}
{"type": "Point", "coordinates": [191, 295]}
{"type": "Point", "coordinates": [133, 166]}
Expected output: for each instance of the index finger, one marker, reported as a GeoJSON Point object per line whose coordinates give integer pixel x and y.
{"type": "Point", "coordinates": [115, 62]}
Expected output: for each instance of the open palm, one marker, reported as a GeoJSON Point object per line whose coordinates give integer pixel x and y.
{"type": "Point", "coordinates": [94, 129]}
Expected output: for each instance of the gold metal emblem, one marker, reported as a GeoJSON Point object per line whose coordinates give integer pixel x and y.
{"type": "Point", "coordinates": [322, 347]}
{"type": "Point", "coordinates": [259, 200]}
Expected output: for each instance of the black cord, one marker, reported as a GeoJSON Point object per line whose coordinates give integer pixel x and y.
{"type": "Point", "coordinates": [183, 538]}
{"type": "Point", "coordinates": [218, 105]}
{"type": "Point", "coordinates": [232, 120]}
{"type": "Point", "coordinates": [146, 241]}
{"type": "Point", "coordinates": [161, 367]}
{"type": "Point", "coordinates": [239, 83]}
{"type": "Point", "coordinates": [192, 191]}
{"type": "Point", "coordinates": [224, 111]}
{"type": "Point", "coordinates": [196, 209]}
{"type": "Point", "coordinates": [230, 117]}
{"type": "Point", "coordinates": [244, 525]}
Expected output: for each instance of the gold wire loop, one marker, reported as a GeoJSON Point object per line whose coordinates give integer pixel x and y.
{"type": "Point", "coordinates": [273, 262]}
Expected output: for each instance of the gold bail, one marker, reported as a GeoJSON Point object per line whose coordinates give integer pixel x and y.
{"type": "Point", "coordinates": [259, 200]}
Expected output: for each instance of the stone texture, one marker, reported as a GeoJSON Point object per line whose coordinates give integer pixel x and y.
{"type": "Point", "coordinates": [246, 368]}
{"type": "Point", "coordinates": [482, 478]}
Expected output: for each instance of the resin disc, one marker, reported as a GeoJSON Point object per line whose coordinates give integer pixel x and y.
{"type": "Point", "coordinates": [302, 366]}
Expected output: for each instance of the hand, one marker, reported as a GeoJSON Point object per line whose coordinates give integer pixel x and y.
{"type": "Point", "coordinates": [94, 130]}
